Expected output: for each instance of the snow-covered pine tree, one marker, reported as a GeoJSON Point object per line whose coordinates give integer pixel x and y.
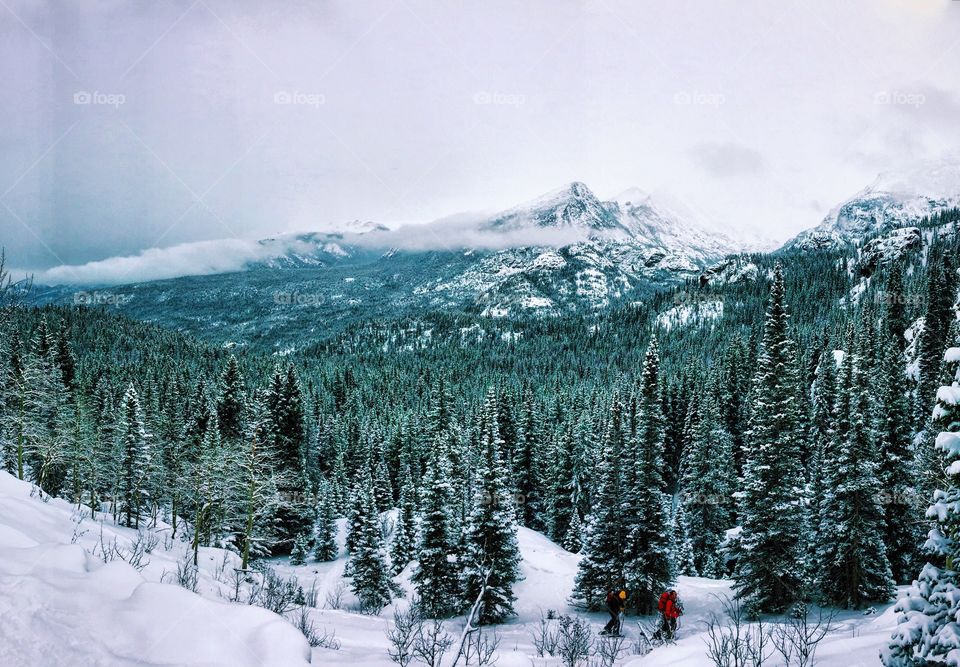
{"type": "Point", "coordinates": [81, 471]}
{"type": "Point", "coordinates": [298, 555]}
{"type": "Point", "coordinates": [437, 575]}
{"type": "Point", "coordinates": [770, 568]}
{"type": "Point", "coordinates": [403, 547]}
{"type": "Point", "coordinates": [135, 457]}
{"type": "Point", "coordinates": [199, 414]}
{"type": "Point", "coordinates": [210, 489]}
{"type": "Point", "coordinates": [927, 627]}
{"type": "Point", "coordinates": [707, 495]}
{"type": "Point", "coordinates": [603, 564]}
{"type": "Point", "coordinates": [326, 537]}
{"type": "Point", "coordinates": [368, 567]}
{"type": "Point", "coordinates": [573, 540]}
{"type": "Point", "coordinates": [354, 517]}
{"type": "Point", "coordinates": [492, 556]}
{"type": "Point", "coordinates": [231, 404]}
{"type": "Point", "coordinates": [681, 544]}
{"type": "Point", "coordinates": [64, 356]}
{"type": "Point", "coordinates": [938, 316]}
{"type": "Point", "coordinates": [382, 489]}
{"type": "Point", "coordinates": [288, 436]}
{"type": "Point", "coordinates": [106, 454]}
{"type": "Point", "coordinates": [649, 569]}
{"type": "Point", "coordinates": [561, 503]}
{"type": "Point", "coordinates": [255, 499]}
{"type": "Point", "coordinates": [851, 556]}
{"type": "Point", "coordinates": [527, 467]}
{"type": "Point", "coordinates": [24, 398]}
{"type": "Point", "coordinates": [895, 315]}
{"type": "Point", "coordinates": [171, 443]}
{"type": "Point", "coordinates": [891, 423]}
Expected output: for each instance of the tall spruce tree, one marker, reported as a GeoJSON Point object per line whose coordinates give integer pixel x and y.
{"type": "Point", "coordinates": [368, 567]}
{"type": "Point", "coordinates": [603, 565]}
{"type": "Point", "coordinates": [326, 537]}
{"type": "Point", "coordinates": [708, 488]}
{"type": "Point", "coordinates": [135, 457]}
{"type": "Point", "coordinates": [649, 569]}
{"type": "Point", "coordinates": [403, 547]}
{"type": "Point", "coordinates": [896, 473]}
{"type": "Point", "coordinates": [770, 567]}
{"type": "Point", "coordinates": [492, 556]}
{"type": "Point", "coordinates": [437, 575]}
{"type": "Point", "coordinates": [231, 404]}
{"type": "Point", "coordinates": [927, 630]}
{"type": "Point", "coordinates": [851, 556]}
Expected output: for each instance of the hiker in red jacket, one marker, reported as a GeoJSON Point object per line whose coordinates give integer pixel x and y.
{"type": "Point", "coordinates": [670, 610]}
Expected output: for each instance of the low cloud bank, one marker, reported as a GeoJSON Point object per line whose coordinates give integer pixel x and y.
{"type": "Point", "coordinates": [457, 234]}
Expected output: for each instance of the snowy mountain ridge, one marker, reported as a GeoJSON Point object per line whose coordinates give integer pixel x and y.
{"type": "Point", "coordinates": [895, 199]}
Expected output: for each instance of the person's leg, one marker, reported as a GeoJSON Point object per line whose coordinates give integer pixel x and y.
{"type": "Point", "coordinates": [611, 623]}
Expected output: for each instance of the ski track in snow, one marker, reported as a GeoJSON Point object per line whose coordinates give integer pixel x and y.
{"type": "Point", "coordinates": [62, 606]}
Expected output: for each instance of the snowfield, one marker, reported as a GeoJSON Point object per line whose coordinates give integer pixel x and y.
{"type": "Point", "coordinates": [61, 604]}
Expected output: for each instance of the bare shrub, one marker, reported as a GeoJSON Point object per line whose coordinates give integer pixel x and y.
{"type": "Point", "coordinates": [431, 643]}
{"type": "Point", "coordinates": [481, 648]}
{"type": "Point", "coordinates": [800, 633]}
{"type": "Point", "coordinates": [78, 518]}
{"type": "Point", "coordinates": [334, 598]}
{"type": "Point", "coordinates": [150, 541]}
{"type": "Point", "coordinates": [732, 641]}
{"type": "Point", "coordinates": [110, 550]}
{"type": "Point", "coordinates": [402, 635]}
{"type": "Point", "coordinates": [545, 636]}
{"type": "Point", "coordinates": [311, 595]}
{"type": "Point", "coordinates": [187, 574]}
{"type": "Point", "coordinates": [328, 639]}
{"type": "Point", "coordinates": [575, 640]}
{"type": "Point", "coordinates": [280, 596]}
{"type": "Point", "coordinates": [608, 650]}
{"type": "Point", "coordinates": [315, 637]}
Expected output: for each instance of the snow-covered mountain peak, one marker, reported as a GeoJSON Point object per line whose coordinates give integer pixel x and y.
{"type": "Point", "coordinates": [573, 206]}
{"type": "Point", "coordinates": [897, 198]}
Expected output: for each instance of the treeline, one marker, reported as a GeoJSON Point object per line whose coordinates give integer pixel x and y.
{"type": "Point", "coordinates": [638, 445]}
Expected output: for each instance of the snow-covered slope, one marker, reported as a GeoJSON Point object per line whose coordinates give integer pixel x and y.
{"type": "Point", "coordinates": [62, 604]}
{"type": "Point", "coordinates": [895, 199]}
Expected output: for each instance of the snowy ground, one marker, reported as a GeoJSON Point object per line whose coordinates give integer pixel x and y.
{"type": "Point", "coordinates": [60, 604]}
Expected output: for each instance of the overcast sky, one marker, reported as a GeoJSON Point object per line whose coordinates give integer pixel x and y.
{"type": "Point", "coordinates": [128, 125]}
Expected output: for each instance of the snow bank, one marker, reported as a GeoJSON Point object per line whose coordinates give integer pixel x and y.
{"type": "Point", "coordinates": [62, 606]}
